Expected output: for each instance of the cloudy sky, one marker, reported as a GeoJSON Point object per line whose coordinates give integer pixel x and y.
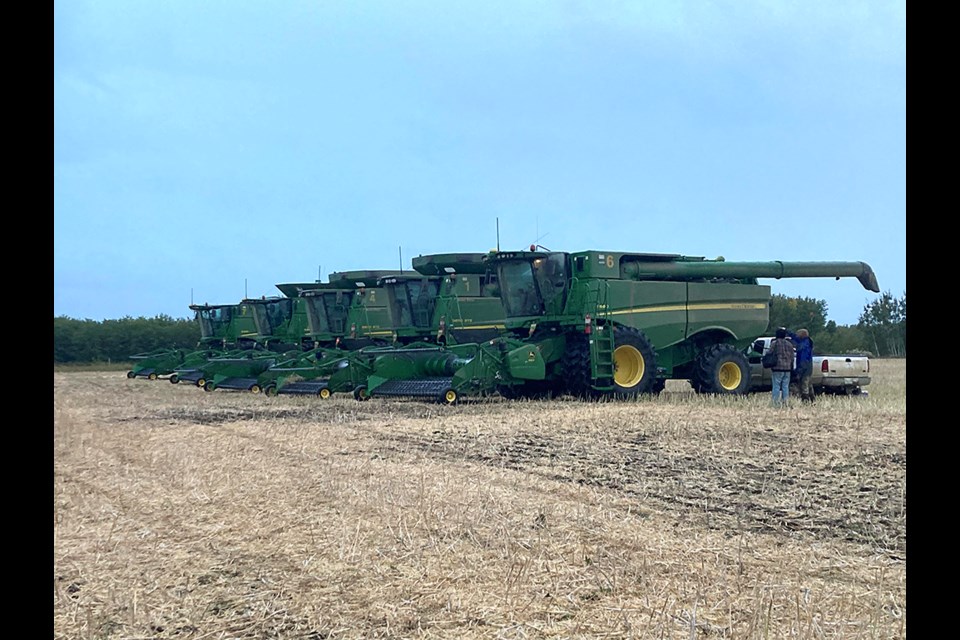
{"type": "Point", "coordinates": [205, 151]}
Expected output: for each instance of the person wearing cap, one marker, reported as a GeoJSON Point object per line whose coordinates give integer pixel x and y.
{"type": "Point", "coordinates": [804, 371]}
{"type": "Point", "coordinates": [780, 373]}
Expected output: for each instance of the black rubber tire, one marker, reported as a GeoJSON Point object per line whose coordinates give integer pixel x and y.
{"type": "Point", "coordinates": [174, 379]}
{"type": "Point", "coordinates": [255, 389]}
{"type": "Point", "coordinates": [360, 393]}
{"type": "Point", "coordinates": [270, 391]}
{"type": "Point", "coordinates": [448, 396]}
{"type": "Point", "coordinates": [721, 369]}
{"type": "Point", "coordinates": [641, 349]}
{"type": "Point", "coordinates": [208, 386]}
{"type": "Point", "coordinates": [324, 394]}
{"type": "Point", "coordinates": [131, 374]}
{"type": "Point", "coordinates": [202, 382]}
{"type": "Point", "coordinates": [152, 376]}
{"type": "Point", "coordinates": [575, 365]}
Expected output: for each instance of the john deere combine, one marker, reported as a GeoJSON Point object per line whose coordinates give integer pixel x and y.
{"type": "Point", "coordinates": [281, 324]}
{"type": "Point", "coordinates": [222, 328]}
{"type": "Point", "coordinates": [421, 308]}
{"type": "Point", "coordinates": [599, 323]}
{"type": "Point", "coordinates": [347, 313]}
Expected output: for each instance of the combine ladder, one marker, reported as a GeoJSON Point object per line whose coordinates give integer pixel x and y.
{"type": "Point", "coordinates": [601, 340]}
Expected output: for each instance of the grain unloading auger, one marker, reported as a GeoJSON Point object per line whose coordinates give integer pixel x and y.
{"type": "Point", "coordinates": [222, 327]}
{"type": "Point", "coordinates": [598, 323]}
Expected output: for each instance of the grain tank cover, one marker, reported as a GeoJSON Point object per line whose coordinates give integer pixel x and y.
{"type": "Point", "coordinates": [342, 280]}
{"type": "Point", "coordinates": [439, 263]}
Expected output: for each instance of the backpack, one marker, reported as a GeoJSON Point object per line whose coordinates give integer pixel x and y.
{"type": "Point", "coordinates": [769, 359]}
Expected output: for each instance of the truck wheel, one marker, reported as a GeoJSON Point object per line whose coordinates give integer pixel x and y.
{"type": "Point", "coordinates": [634, 362]}
{"type": "Point", "coordinates": [722, 369]}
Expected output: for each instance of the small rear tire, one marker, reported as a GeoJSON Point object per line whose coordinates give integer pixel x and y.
{"type": "Point", "coordinates": [131, 374]}
{"type": "Point", "coordinates": [202, 382]}
{"type": "Point", "coordinates": [208, 386]}
{"type": "Point", "coordinates": [174, 379]}
{"type": "Point", "coordinates": [152, 376]}
{"type": "Point", "coordinates": [324, 394]}
{"type": "Point", "coordinates": [270, 391]}
{"type": "Point", "coordinates": [255, 388]}
{"type": "Point", "coordinates": [360, 393]}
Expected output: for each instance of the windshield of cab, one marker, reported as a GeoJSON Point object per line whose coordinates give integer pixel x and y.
{"type": "Point", "coordinates": [271, 316]}
{"type": "Point", "coordinates": [213, 321]}
{"type": "Point", "coordinates": [532, 288]}
{"type": "Point", "coordinates": [326, 313]}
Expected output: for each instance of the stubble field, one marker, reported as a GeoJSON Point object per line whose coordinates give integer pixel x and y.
{"type": "Point", "coordinates": [184, 514]}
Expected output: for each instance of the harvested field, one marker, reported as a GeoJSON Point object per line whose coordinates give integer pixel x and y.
{"type": "Point", "coordinates": [188, 515]}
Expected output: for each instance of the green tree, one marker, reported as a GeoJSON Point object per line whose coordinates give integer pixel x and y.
{"type": "Point", "coordinates": [885, 323]}
{"type": "Point", "coordinates": [797, 313]}
{"type": "Point", "coordinates": [85, 341]}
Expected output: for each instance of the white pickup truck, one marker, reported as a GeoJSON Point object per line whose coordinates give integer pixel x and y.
{"type": "Point", "coordinates": [836, 374]}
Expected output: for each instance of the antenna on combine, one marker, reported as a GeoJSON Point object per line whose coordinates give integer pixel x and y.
{"type": "Point", "coordinates": [245, 296]}
{"type": "Point", "coordinates": [400, 249]}
{"type": "Point", "coordinates": [498, 234]}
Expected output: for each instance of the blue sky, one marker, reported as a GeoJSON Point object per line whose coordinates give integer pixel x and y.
{"type": "Point", "coordinates": [208, 150]}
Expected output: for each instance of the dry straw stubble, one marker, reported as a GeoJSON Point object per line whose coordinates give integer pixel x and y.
{"type": "Point", "coordinates": [185, 514]}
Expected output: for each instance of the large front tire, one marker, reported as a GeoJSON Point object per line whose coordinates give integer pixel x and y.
{"type": "Point", "coordinates": [576, 367]}
{"type": "Point", "coordinates": [722, 369]}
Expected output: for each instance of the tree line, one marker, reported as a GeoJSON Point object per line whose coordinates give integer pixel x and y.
{"type": "Point", "coordinates": [881, 331]}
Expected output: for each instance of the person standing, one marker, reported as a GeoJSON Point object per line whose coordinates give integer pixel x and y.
{"type": "Point", "coordinates": [780, 372]}
{"type": "Point", "coordinates": [804, 344]}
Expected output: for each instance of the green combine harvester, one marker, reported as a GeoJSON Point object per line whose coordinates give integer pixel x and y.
{"type": "Point", "coordinates": [222, 328]}
{"type": "Point", "coordinates": [421, 308]}
{"type": "Point", "coordinates": [599, 323]}
{"type": "Point", "coordinates": [281, 324]}
{"type": "Point", "coordinates": [344, 314]}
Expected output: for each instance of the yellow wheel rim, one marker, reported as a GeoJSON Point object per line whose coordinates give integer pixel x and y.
{"type": "Point", "coordinates": [152, 376]}
{"type": "Point", "coordinates": [324, 393]}
{"type": "Point", "coordinates": [450, 396]}
{"type": "Point", "coordinates": [628, 366]}
{"type": "Point", "coordinates": [730, 376]}
{"type": "Point", "coordinates": [201, 382]}
{"type": "Point", "coordinates": [255, 389]}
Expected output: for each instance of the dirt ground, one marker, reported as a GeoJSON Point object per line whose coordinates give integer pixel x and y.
{"type": "Point", "coordinates": [185, 514]}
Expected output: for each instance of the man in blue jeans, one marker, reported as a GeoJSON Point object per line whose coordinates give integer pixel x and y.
{"type": "Point", "coordinates": [801, 339]}
{"type": "Point", "coordinates": [780, 372]}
